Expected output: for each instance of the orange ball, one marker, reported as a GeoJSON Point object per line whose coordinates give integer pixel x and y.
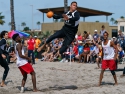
{"type": "Point", "coordinates": [50, 14]}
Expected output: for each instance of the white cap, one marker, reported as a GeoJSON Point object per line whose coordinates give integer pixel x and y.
{"type": "Point", "coordinates": [35, 36]}
{"type": "Point", "coordinates": [95, 30]}
{"type": "Point", "coordinates": [80, 42]}
{"type": "Point", "coordinates": [113, 37]}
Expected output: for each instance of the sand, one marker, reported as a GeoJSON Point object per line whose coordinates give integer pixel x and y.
{"type": "Point", "coordinates": [63, 78]}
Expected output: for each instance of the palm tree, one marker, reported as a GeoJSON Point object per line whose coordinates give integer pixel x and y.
{"type": "Point", "coordinates": [13, 27]}
{"type": "Point", "coordinates": [65, 5]}
{"type": "Point", "coordinates": [122, 17]}
{"type": "Point", "coordinates": [96, 21]}
{"type": "Point", "coordinates": [46, 34]}
{"type": "Point", "coordinates": [23, 24]}
{"type": "Point", "coordinates": [1, 19]}
{"type": "Point", "coordinates": [116, 22]}
{"type": "Point", "coordinates": [112, 20]}
{"type": "Point", "coordinates": [38, 23]}
{"type": "Point", "coordinates": [26, 29]}
{"type": "Point", "coordinates": [9, 24]}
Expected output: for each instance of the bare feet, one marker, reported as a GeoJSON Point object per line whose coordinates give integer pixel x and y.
{"type": "Point", "coordinates": [35, 90]}
{"type": "Point", "coordinates": [99, 84]}
{"type": "Point", "coordinates": [2, 85]}
{"type": "Point", "coordinates": [115, 84]}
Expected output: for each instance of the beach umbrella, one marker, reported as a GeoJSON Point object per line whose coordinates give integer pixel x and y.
{"type": "Point", "coordinates": [21, 34]}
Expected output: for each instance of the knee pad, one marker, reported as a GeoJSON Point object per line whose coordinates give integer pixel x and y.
{"type": "Point", "coordinates": [113, 72]}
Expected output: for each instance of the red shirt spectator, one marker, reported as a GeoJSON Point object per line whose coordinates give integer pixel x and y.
{"type": "Point", "coordinates": [79, 37]}
{"type": "Point", "coordinates": [86, 49]}
{"type": "Point", "coordinates": [31, 43]}
{"type": "Point", "coordinates": [75, 50]}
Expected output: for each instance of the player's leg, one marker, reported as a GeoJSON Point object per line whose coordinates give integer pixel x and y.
{"type": "Point", "coordinates": [101, 77]}
{"type": "Point", "coordinates": [58, 34]}
{"type": "Point", "coordinates": [97, 61]}
{"type": "Point", "coordinates": [104, 66]}
{"type": "Point", "coordinates": [112, 67]}
{"type": "Point", "coordinates": [6, 70]}
{"type": "Point", "coordinates": [24, 80]}
{"type": "Point", "coordinates": [66, 43]}
{"type": "Point", "coordinates": [33, 75]}
{"type": "Point", "coordinates": [114, 76]}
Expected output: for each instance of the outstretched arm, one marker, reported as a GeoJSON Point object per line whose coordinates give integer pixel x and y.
{"type": "Point", "coordinates": [55, 16]}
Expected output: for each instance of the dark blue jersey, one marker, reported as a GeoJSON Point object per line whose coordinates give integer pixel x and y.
{"type": "Point", "coordinates": [73, 18]}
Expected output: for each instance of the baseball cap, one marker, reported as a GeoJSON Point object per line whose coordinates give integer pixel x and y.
{"type": "Point", "coordinates": [95, 30]}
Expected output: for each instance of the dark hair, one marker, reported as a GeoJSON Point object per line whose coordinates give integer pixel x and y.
{"type": "Point", "coordinates": [103, 26]}
{"type": "Point", "coordinates": [73, 2]}
{"type": "Point", "coordinates": [15, 36]}
{"type": "Point", "coordinates": [106, 33]}
{"type": "Point", "coordinates": [3, 34]}
{"type": "Point", "coordinates": [85, 32]}
{"type": "Point", "coordinates": [86, 45]}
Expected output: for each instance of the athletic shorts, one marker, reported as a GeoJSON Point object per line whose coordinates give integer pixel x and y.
{"type": "Point", "coordinates": [111, 64]}
{"type": "Point", "coordinates": [26, 69]}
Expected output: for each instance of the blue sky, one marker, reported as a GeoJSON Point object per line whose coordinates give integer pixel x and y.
{"type": "Point", "coordinates": [23, 10]}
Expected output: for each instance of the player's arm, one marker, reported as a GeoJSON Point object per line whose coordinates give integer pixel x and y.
{"type": "Point", "coordinates": [1, 43]}
{"type": "Point", "coordinates": [55, 16]}
{"type": "Point", "coordinates": [102, 53]}
{"type": "Point", "coordinates": [19, 49]}
{"type": "Point", "coordinates": [76, 17]}
{"type": "Point", "coordinates": [116, 49]}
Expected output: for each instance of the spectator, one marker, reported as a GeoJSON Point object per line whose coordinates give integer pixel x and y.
{"type": "Point", "coordinates": [45, 54]}
{"type": "Point", "coordinates": [114, 40]}
{"type": "Point", "coordinates": [37, 44]}
{"type": "Point", "coordinates": [95, 36]}
{"type": "Point", "coordinates": [12, 58]}
{"type": "Point", "coordinates": [75, 50]}
{"type": "Point", "coordinates": [102, 32]}
{"type": "Point", "coordinates": [85, 36]}
{"type": "Point", "coordinates": [80, 47]}
{"type": "Point", "coordinates": [95, 54]}
{"type": "Point", "coordinates": [90, 55]}
{"type": "Point", "coordinates": [79, 38]}
{"type": "Point", "coordinates": [31, 48]}
{"type": "Point", "coordinates": [122, 43]}
{"type": "Point", "coordinates": [90, 36]}
{"type": "Point", "coordinates": [86, 51]}
{"type": "Point", "coordinates": [120, 52]}
{"type": "Point", "coordinates": [120, 35]}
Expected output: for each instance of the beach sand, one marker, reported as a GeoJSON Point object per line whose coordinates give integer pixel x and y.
{"type": "Point", "coordinates": [63, 78]}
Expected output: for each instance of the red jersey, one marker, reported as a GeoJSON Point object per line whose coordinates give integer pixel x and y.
{"type": "Point", "coordinates": [31, 43]}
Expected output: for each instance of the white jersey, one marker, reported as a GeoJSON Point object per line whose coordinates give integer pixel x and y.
{"type": "Point", "coordinates": [20, 61]}
{"type": "Point", "coordinates": [108, 51]}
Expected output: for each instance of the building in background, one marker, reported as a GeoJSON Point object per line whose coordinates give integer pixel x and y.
{"type": "Point", "coordinates": [83, 26]}
{"type": "Point", "coordinates": [121, 25]}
